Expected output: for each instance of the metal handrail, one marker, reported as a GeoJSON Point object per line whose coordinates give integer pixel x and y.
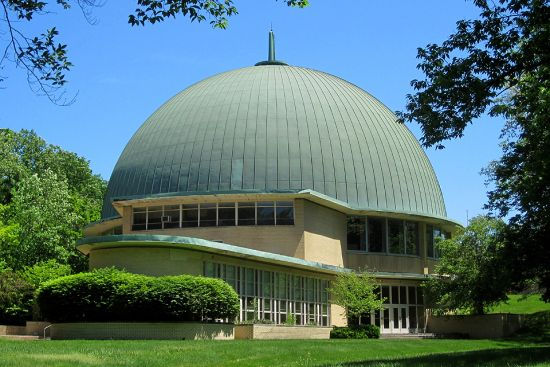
{"type": "Point", "coordinates": [47, 327]}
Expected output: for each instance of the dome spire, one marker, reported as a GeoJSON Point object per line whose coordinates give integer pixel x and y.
{"type": "Point", "coordinates": [271, 52]}
{"type": "Point", "coordinates": [271, 60]}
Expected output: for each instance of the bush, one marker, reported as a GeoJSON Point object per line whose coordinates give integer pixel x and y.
{"type": "Point", "coordinates": [113, 295]}
{"type": "Point", "coordinates": [356, 332]}
{"type": "Point", "coordinates": [16, 298]}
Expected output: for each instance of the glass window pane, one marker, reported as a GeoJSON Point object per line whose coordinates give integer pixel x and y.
{"type": "Point", "coordinates": [395, 294]}
{"type": "Point", "coordinates": [154, 219]}
{"type": "Point", "coordinates": [430, 240]}
{"type": "Point", "coordinates": [247, 214]}
{"type": "Point", "coordinates": [402, 295]}
{"type": "Point", "coordinates": [412, 295]}
{"type": "Point", "coordinates": [356, 234]}
{"type": "Point", "coordinates": [140, 209]}
{"type": "Point", "coordinates": [265, 203]}
{"type": "Point", "coordinates": [207, 215]}
{"type": "Point", "coordinates": [377, 235]}
{"type": "Point", "coordinates": [140, 219]}
{"type": "Point", "coordinates": [396, 237]}
{"type": "Point", "coordinates": [411, 235]}
{"type": "Point", "coordinates": [386, 293]}
{"type": "Point", "coordinates": [438, 235]}
{"type": "Point", "coordinates": [190, 216]}
{"type": "Point", "coordinates": [226, 216]}
{"type": "Point", "coordinates": [171, 218]}
{"type": "Point", "coordinates": [386, 318]}
{"type": "Point", "coordinates": [266, 215]}
{"type": "Point", "coordinates": [285, 215]}
{"type": "Point", "coordinates": [285, 203]}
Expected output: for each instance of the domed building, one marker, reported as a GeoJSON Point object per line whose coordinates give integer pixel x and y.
{"type": "Point", "coordinates": [276, 178]}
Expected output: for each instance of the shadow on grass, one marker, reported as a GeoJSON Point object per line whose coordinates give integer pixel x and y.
{"type": "Point", "coordinates": [489, 357]}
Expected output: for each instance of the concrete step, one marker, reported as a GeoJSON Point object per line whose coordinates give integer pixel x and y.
{"type": "Point", "coordinates": [19, 337]}
{"type": "Point", "coordinates": [409, 336]}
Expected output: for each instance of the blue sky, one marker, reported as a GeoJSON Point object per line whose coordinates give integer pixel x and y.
{"type": "Point", "coordinates": [122, 74]}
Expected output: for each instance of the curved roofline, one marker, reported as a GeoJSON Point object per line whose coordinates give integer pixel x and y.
{"type": "Point", "coordinates": [88, 244]}
{"type": "Point", "coordinates": [311, 195]}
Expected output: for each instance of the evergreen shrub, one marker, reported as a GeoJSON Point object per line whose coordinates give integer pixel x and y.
{"type": "Point", "coordinates": [356, 332]}
{"type": "Point", "coordinates": [107, 295]}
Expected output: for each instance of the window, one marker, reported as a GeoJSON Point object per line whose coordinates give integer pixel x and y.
{"type": "Point", "coordinates": [226, 214]}
{"type": "Point", "coordinates": [266, 213]}
{"type": "Point", "coordinates": [190, 215]}
{"type": "Point", "coordinates": [154, 217]}
{"type": "Point", "coordinates": [356, 234]}
{"type": "Point", "coordinates": [247, 214]}
{"type": "Point", "coordinates": [284, 213]}
{"type": "Point", "coordinates": [140, 219]}
{"type": "Point", "coordinates": [376, 234]}
{"type": "Point", "coordinates": [171, 217]}
{"type": "Point", "coordinates": [430, 240]}
{"type": "Point", "coordinates": [207, 214]}
{"type": "Point", "coordinates": [396, 237]}
{"type": "Point", "coordinates": [411, 238]}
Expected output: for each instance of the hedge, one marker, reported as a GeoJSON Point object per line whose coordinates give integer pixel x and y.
{"type": "Point", "coordinates": [356, 332]}
{"type": "Point", "coordinates": [111, 295]}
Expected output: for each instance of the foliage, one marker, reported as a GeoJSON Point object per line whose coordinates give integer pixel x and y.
{"type": "Point", "coordinates": [15, 298]}
{"type": "Point", "coordinates": [355, 292]}
{"type": "Point", "coordinates": [356, 332]}
{"type": "Point", "coordinates": [470, 275]}
{"type": "Point", "coordinates": [113, 295]}
{"type": "Point", "coordinates": [290, 320]}
{"type": "Point", "coordinates": [46, 61]}
{"type": "Point", "coordinates": [499, 64]}
{"type": "Point", "coordinates": [537, 323]}
{"type": "Point", "coordinates": [47, 195]}
{"type": "Point", "coordinates": [42, 272]}
{"type": "Point", "coordinates": [17, 289]}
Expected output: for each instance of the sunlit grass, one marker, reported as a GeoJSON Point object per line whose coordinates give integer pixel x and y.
{"type": "Point", "coordinates": [275, 353]}
{"type": "Point", "coordinates": [521, 304]}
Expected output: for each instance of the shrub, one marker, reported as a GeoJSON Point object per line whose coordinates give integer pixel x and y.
{"type": "Point", "coordinates": [356, 332]}
{"type": "Point", "coordinates": [113, 295]}
{"type": "Point", "coordinates": [44, 271]}
{"type": "Point", "coordinates": [16, 298]}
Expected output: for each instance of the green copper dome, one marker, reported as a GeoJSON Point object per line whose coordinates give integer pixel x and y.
{"type": "Point", "coordinates": [278, 128]}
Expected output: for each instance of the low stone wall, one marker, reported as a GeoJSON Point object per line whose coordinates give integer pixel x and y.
{"type": "Point", "coordinates": [131, 330]}
{"type": "Point", "coordinates": [267, 331]}
{"type": "Point", "coordinates": [477, 327]}
{"type": "Point", "coordinates": [34, 328]}
{"type": "Point", "coordinates": [12, 330]}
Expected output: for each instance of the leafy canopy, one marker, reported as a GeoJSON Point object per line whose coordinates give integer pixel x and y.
{"type": "Point", "coordinates": [46, 61]}
{"type": "Point", "coordinates": [469, 272]}
{"type": "Point", "coordinates": [356, 292]}
{"type": "Point", "coordinates": [47, 195]}
{"type": "Point", "coordinates": [499, 64]}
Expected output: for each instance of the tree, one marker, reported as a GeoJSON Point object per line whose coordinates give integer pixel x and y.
{"type": "Point", "coordinates": [46, 61]}
{"type": "Point", "coordinates": [357, 293]}
{"type": "Point", "coordinates": [469, 272]}
{"type": "Point", "coordinates": [499, 64]}
{"type": "Point", "coordinates": [47, 195]}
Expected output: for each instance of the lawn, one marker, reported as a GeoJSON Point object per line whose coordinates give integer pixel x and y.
{"type": "Point", "coordinates": [522, 304]}
{"type": "Point", "coordinates": [395, 353]}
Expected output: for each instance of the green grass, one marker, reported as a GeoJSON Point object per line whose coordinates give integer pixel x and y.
{"type": "Point", "coordinates": [380, 353]}
{"type": "Point", "coordinates": [522, 305]}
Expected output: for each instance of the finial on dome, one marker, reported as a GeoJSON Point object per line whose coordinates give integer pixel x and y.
{"type": "Point", "coordinates": [271, 52]}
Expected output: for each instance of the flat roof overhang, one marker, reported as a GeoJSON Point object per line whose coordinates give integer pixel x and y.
{"type": "Point", "coordinates": [88, 244]}
{"type": "Point", "coordinates": [311, 195]}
